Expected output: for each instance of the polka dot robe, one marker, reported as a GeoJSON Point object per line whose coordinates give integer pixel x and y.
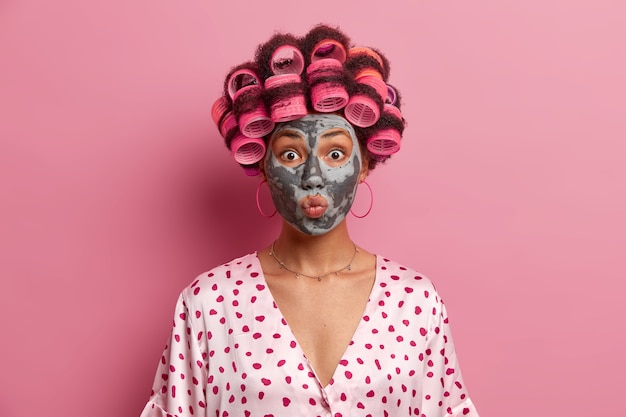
{"type": "Point", "coordinates": [231, 353]}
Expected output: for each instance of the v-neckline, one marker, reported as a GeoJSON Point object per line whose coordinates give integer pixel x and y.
{"type": "Point", "coordinates": [366, 312]}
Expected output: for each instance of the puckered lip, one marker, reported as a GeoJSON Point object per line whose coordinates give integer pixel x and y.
{"type": "Point", "coordinates": [313, 206]}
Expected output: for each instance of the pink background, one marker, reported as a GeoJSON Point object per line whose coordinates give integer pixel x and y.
{"type": "Point", "coordinates": [509, 191]}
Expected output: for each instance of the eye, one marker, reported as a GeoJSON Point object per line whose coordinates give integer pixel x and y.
{"type": "Point", "coordinates": [336, 154]}
{"type": "Point", "coordinates": [290, 156]}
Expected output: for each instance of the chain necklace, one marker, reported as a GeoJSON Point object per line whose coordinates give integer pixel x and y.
{"type": "Point", "coordinates": [317, 277]}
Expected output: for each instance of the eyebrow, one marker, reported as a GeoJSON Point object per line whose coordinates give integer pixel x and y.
{"type": "Point", "coordinates": [335, 132]}
{"type": "Point", "coordinates": [329, 134]}
{"type": "Point", "coordinates": [291, 134]}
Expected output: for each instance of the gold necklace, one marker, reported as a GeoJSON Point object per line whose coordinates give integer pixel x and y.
{"type": "Point", "coordinates": [317, 277]}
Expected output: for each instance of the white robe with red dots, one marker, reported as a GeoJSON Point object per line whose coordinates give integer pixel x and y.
{"type": "Point", "coordinates": [232, 353]}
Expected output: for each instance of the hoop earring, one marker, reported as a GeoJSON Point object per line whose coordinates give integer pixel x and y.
{"type": "Point", "coordinates": [258, 203]}
{"type": "Point", "coordinates": [371, 202]}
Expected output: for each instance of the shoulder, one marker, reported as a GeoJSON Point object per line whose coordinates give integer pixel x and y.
{"type": "Point", "coordinates": [396, 277]}
{"type": "Point", "coordinates": [227, 275]}
{"type": "Point", "coordinates": [408, 295]}
{"type": "Point", "coordinates": [393, 272]}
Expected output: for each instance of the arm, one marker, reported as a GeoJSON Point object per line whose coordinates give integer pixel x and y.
{"type": "Point", "coordinates": [179, 384]}
{"type": "Point", "coordinates": [444, 393]}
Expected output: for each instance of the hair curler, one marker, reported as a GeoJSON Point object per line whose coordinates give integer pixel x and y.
{"type": "Point", "coordinates": [247, 151]}
{"type": "Point", "coordinates": [241, 79]}
{"type": "Point", "coordinates": [363, 110]}
{"type": "Point", "coordinates": [363, 50]}
{"type": "Point", "coordinates": [384, 142]}
{"type": "Point", "coordinates": [244, 88]}
{"type": "Point", "coordinates": [228, 123]}
{"type": "Point", "coordinates": [365, 106]}
{"type": "Point", "coordinates": [326, 81]}
{"type": "Point", "coordinates": [219, 109]}
{"type": "Point", "coordinates": [255, 122]}
{"type": "Point", "coordinates": [329, 49]}
{"type": "Point", "coordinates": [387, 140]}
{"type": "Point", "coordinates": [222, 116]}
{"type": "Point", "coordinates": [286, 97]}
{"type": "Point", "coordinates": [287, 59]}
{"type": "Point", "coordinates": [392, 96]}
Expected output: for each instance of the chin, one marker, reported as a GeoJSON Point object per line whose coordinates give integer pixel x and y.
{"type": "Point", "coordinates": [316, 227]}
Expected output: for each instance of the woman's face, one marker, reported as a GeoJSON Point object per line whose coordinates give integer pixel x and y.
{"type": "Point", "coordinates": [313, 167]}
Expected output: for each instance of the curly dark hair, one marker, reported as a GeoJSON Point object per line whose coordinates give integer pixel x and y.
{"type": "Point", "coordinates": [321, 42]}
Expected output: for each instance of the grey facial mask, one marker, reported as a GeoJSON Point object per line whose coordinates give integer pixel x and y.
{"type": "Point", "coordinates": [291, 185]}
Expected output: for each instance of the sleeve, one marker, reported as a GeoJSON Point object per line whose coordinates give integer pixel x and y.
{"type": "Point", "coordinates": [444, 393]}
{"type": "Point", "coordinates": [179, 384]}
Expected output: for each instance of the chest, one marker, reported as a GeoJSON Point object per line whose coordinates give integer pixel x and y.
{"type": "Point", "coordinates": [255, 361]}
{"type": "Point", "coordinates": [323, 317]}
{"type": "Point", "coordinates": [297, 355]}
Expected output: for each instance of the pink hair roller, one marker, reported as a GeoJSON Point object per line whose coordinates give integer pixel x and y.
{"type": "Point", "coordinates": [247, 151]}
{"type": "Point", "coordinates": [391, 95]}
{"type": "Point", "coordinates": [364, 50]}
{"type": "Point", "coordinates": [386, 141]}
{"type": "Point", "coordinates": [393, 110]}
{"type": "Point", "coordinates": [329, 49]}
{"type": "Point", "coordinates": [289, 108]}
{"type": "Point", "coordinates": [287, 59]}
{"type": "Point", "coordinates": [223, 116]}
{"type": "Point", "coordinates": [241, 79]}
{"type": "Point", "coordinates": [220, 107]}
{"type": "Point", "coordinates": [376, 82]}
{"type": "Point", "coordinates": [229, 122]}
{"type": "Point", "coordinates": [362, 110]}
{"type": "Point", "coordinates": [327, 97]}
{"type": "Point", "coordinates": [373, 72]}
{"type": "Point", "coordinates": [255, 123]}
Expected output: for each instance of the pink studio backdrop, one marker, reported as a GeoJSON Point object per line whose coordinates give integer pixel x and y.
{"type": "Point", "coordinates": [509, 191]}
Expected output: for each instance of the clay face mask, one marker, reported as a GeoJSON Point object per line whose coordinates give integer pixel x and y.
{"type": "Point", "coordinates": [312, 168]}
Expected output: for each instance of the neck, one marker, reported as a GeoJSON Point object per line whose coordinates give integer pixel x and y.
{"type": "Point", "coordinates": [314, 254]}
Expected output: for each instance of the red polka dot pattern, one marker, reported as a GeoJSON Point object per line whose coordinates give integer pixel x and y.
{"type": "Point", "coordinates": [231, 353]}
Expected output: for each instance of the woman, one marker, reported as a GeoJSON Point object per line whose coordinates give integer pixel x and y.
{"type": "Point", "coordinates": [312, 325]}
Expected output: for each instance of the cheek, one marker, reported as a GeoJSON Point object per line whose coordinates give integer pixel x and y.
{"type": "Point", "coordinates": [342, 181]}
{"type": "Point", "coordinates": [281, 178]}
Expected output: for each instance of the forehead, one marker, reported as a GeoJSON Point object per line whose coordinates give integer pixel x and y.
{"type": "Point", "coordinates": [313, 125]}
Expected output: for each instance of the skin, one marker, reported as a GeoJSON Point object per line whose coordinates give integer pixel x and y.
{"type": "Point", "coordinates": [313, 167]}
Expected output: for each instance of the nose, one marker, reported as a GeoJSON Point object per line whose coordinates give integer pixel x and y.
{"type": "Point", "coordinates": [312, 174]}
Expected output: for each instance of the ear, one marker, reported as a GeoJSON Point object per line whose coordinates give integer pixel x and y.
{"type": "Point", "coordinates": [262, 169]}
{"type": "Point", "coordinates": [364, 167]}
